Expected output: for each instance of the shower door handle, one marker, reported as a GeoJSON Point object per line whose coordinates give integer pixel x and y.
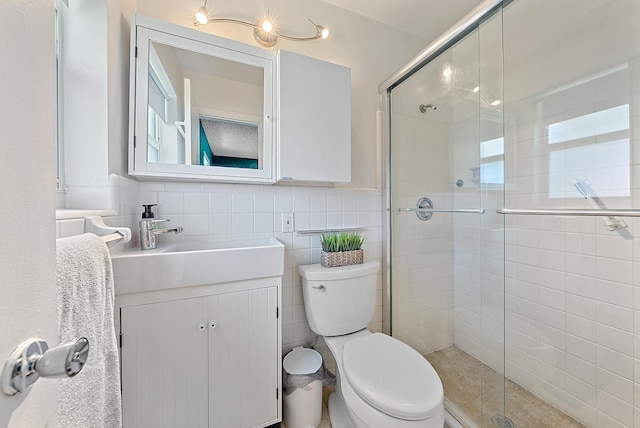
{"type": "Point", "coordinates": [424, 210]}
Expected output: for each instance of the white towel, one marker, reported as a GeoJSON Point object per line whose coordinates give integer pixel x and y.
{"type": "Point", "coordinates": [85, 301]}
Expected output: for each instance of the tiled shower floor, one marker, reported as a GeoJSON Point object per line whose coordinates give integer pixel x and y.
{"type": "Point", "coordinates": [466, 380]}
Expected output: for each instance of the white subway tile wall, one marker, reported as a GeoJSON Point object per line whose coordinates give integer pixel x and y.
{"type": "Point", "coordinates": [228, 211]}
{"type": "Point", "coordinates": [572, 306]}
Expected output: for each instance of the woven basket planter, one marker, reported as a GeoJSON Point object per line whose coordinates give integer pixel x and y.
{"type": "Point", "coordinates": [343, 258]}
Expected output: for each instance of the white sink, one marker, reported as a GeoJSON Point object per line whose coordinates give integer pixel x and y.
{"type": "Point", "coordinates": [190, 263]}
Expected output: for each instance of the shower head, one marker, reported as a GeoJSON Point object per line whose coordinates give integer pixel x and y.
{"type": "Point", "coordinates": [424, 107]}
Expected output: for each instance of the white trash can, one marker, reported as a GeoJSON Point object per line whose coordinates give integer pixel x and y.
{"type": "Point", "coordinates": [303, 407]}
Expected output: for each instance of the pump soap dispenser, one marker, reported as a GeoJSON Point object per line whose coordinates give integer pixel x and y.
{"type": "Point", "coordinates": [148, 211]}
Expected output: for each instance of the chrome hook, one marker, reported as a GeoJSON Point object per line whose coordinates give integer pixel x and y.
{"type": "Point", "coordinates": [33, 359]}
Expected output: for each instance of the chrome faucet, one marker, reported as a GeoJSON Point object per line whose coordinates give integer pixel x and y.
{"type": "Point", "coordinates": [149, 231]}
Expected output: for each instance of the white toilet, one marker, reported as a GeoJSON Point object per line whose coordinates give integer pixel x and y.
{"type": "Point", "coordinates": [381, 382]}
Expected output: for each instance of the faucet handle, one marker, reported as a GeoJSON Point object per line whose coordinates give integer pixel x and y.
{"type": "Point", "coordinates": [160, 221]}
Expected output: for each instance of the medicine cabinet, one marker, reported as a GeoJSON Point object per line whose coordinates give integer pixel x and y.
{"type": "Point", "coordinates": [201, 106]}
{"type": "Point", "coordinates": [314, 120]}
{"type": "Point", "coordinates": [202, 109]}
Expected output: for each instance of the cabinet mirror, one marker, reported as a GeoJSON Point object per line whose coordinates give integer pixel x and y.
{"type": "Point", "coordinates": [202, 106]}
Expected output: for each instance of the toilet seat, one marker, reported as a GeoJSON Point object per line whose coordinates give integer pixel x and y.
{"type": "Point", "coordinates": [392, 377]}
{"type": "Point", "coordinates": [362, 412]}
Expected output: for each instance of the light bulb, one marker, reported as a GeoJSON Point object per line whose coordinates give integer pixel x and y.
{"type": "Point", "coordinates": [446, 72]}
{"type": "Point", "coordinates": [201, 16]}
{"type": "Point", "coordinates": [264, 33]}
{"type": "Point", "coordinates": [324, 32]}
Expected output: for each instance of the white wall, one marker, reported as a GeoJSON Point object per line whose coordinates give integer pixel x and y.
{"type": "Point", "coordinates": [226, 211]}
{"type": "Point", "coordinates": [83, 94]}
{"type": "Point", "coordinates": [27, 169]}
{"type": "Point", "coordinates": [119, 14]}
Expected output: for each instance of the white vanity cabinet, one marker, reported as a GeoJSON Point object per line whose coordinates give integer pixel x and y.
{"type": "Point", "coordinates": [205, 356]}
{"type": "Point", "coordinates": [313, 121]}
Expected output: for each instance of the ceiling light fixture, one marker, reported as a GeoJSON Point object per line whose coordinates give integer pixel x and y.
{"type": "Point", "coordinates": [202, 16]}
{"type": "Point", "coordinates": [263, 31]}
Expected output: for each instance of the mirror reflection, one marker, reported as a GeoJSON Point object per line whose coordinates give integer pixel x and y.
{"type": "Point", "coordinates": [203, 110]}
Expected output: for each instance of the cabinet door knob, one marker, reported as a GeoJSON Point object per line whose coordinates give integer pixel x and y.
{"type": "Point", "coordinates": [212, 324]}
{"type": "Point", "coordinates": [201, 327]}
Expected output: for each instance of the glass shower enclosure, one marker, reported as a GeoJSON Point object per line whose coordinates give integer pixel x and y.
{"type": "Point", "coordinates": [446, 164]}
{"type": "Point", "coordinates": [512, 262]}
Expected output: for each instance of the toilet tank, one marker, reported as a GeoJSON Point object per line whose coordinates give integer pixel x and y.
{"type": "Point", "coordinates": [339, 300]}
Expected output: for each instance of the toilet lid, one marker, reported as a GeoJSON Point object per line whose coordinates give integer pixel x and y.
{"type": "Point", "coordinates": [392, 377]}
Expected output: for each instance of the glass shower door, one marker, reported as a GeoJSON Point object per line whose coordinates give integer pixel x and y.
{"type": "Point", "coordinates": [447, 266]}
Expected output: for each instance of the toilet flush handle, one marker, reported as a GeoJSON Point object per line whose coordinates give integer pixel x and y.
{"type": "Point", "coordinates": [320, 287]}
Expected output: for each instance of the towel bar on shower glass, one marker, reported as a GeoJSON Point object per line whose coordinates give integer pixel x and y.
{"type": "Point", "coordinates": [573, 212]}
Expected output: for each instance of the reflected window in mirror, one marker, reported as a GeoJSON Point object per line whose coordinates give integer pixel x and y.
{"type": "Point", "coordinates": [166, 138]}
{"type": "Point", "coordinates": [154, 138]}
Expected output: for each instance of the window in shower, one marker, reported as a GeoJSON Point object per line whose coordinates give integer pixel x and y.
{"type": "Point", "coordinates": [593, 146]}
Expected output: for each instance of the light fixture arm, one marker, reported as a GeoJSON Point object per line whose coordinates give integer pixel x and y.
{"type": "Point", "coordinates": [318, 35]}
{"type": "Point", "coordinates": [227, 20]}
{"type": "Point", "coordinates": [266, 38]}
{"type": "Point", "coordinates": [300, 39]}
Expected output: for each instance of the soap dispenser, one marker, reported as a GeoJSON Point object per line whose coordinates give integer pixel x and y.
{"type": "Point", "coordinates": [148, 211]}
{"type": "Point", "coordinates": [147, 223]}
